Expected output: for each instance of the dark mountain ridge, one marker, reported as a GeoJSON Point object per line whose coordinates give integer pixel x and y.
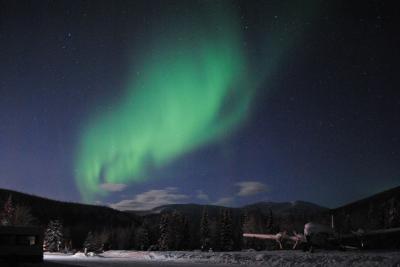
{"type": "Point", "coordinates": [379, 211]}
{"type": "Point", "coordinates": [77, 219]}
{"type": "Point", "coordinates": [46, 209]}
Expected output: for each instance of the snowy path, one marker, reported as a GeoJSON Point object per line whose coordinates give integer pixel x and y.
{"type": "Point", "coordinates": [125, 263]}
{"type": "Point", "coordinates": [224, 259]}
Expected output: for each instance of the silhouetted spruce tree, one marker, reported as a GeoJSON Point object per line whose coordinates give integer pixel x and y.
{"type": "Point", "coordinates": [53, 237]}
{"type": "Point", "coordinates": [204, 231]}
{"type": "Point", "coordinates": [142, 238]}
{"type": "Point", "coordinates": [103, 238]}
{"type": "Point", "coordinates": [185, 244]}
{"type": "Point", "coordinates": [23, 216]}
{"type": "Point", "coordinates": [164, 240]}
{"type": "Point", "coordinates": [250, 226]}
{"type": "Point", "coordinates": [88, 244]}
{"type": "Point", "coordinates": [176, 231]}
{"type": "Point", "coordinates": [226, 231]}
{"type": "Point", "coordinates": [381, 218]}
{"type": "Point", "coordinates": [7, 215]}
{"type": "Point", "coordinates": [92, 243]}
{"type": "Point", "coordinates": [270, 222]}
{"type": "Point", "coordinates": [218, 229]}
{"type": "Point", "coordinates": [393, 213]}
{"type": "Point", "coordinates": [239, 235]}
{"type": "Point", "coordinates": [122, 237]}
{"type": "Point", "coordinates": [245, 228]}
{"type": "Point", "coordinates": [348, 223]}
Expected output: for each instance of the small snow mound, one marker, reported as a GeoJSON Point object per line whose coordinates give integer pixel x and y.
{"type": "Point", "coordinates": [79, 255]}
{"type": "Point", "coordinates": [125, 254]}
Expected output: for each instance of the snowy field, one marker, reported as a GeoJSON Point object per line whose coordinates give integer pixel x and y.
{"type": "Point", "coordinates": [220, 259]}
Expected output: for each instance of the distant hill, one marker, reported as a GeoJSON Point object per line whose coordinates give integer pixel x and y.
{"type": "Point", "coordinates": [378, 211]}
{"type": "Point", "coordinates": [47, 209]}
{"type": "Point", "coordinates": [279, 208]}
{"type": "Point", "coordinates": [286, 208]}
{"type": "Point", "coordinates": [191, 210]}
{"type": "Point", "coordinates": [78, 219]}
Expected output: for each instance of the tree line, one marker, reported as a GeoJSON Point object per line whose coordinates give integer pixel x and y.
{"type": "Point", "coordinates": [170, 231]}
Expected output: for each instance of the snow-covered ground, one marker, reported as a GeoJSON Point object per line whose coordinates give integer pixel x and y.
{"type": "Point", "coordinates": [254, 258]}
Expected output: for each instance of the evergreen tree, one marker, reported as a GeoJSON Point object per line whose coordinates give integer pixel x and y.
{"type": "Point", "coordinates": [186, 234]}
{"type": "Point", "coordinates": [204, 230]}
{"type": "Point", "coordinates": [142, 238]}
{"type": "Point", "coordinates": [176, 231]}
{"type": "Point", "coordinates": [270, 222]}
{"type": "Point", "coordinates": [393, 213]}
{"type": "Point", "coordinates": [92, 243]}
{"type": "Point", "coordinates": [19, 215]}
{"type": "Point", "coordinates": [250, 225]}
{"type": "Point", "coordinates": [243, 224]}
{"type": "Point", "coordinates": [7, 215]}
{"type": "Point", "coordinates": [226, 231]}
{"type": "Point", "coordinates": [164, 241]}
{"type": "Point", "coordinates": [104, 238]}
{"type": "Point", "coordinates": [23, 216]}
{"type": "Point", "coordinates": [246, 229]}
{"type": "Point", "coordinates": [122, 238]}
{"type": "Point", "coordinates": [240, 240]}
{"type": "Point", "coordinates": [53, 236]}
{"type": "Point", "coordinates": [348, 224]}
{"type": "Point", "coordinates": [218, 230]}
{"type": "Point", "coordinates": [88, 244]}
{"type": "Point", "coordinates": [381, 218]}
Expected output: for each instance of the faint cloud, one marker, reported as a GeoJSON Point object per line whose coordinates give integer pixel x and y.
{"type": "Point", "coordinates": [151, 199]}
{"type": "Point", "coordinates": [224, 201]}
{"type": "Point", "coordinates": [113, 187]}
{"type": "Point", "coordinates": [250, 188]}
{"type": "Point", "coordinates": [202, 196]}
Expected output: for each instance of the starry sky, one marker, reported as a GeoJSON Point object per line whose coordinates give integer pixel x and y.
{"type": "Point", "coordinates": [135, 104]}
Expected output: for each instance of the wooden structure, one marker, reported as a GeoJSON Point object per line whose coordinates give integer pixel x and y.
{"type": "Point", "coordinates": [19, 243]}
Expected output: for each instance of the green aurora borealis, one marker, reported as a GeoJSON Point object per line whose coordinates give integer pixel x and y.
{"type": "Point", "coordinates": [195, 87]}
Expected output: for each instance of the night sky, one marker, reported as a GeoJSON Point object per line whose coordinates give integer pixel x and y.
{"type": "Point", "coordinates": [135, 104]}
